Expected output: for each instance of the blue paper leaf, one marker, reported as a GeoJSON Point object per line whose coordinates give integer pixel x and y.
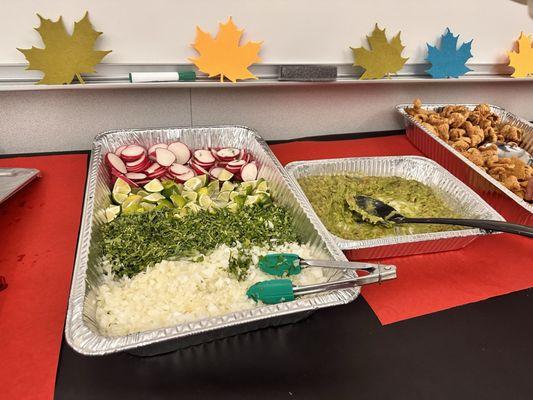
{"type": "Point", "coordinates": [448, 61]}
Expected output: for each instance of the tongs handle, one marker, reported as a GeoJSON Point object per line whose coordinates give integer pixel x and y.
{"type": "Point", "coordinates": [354, 265]}
{"type": "Point", "coordinates": [378, 273]}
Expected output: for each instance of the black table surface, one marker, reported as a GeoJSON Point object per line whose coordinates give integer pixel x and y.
{"type": "Point", "coordinates": [482, 350]}
{"type": "Point", "coordinates": [478, 351]}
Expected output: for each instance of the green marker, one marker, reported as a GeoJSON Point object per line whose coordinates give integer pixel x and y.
{"type": "Point", "coordinates": [175, 76]}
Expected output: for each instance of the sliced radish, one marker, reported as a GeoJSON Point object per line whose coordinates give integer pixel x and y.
{"type": "Point", "coordinates": [198, 169]}
{"type": "Point", "coordinates": [214, 152]}
{"type": "Point", "coordinates": [152, 149]}
{"type": "Point", "coordinates": [115, 162]}
{"type": "Point", "coordinates": [178, 169]}
{"type": "Point", "coordinates": [153, 168]}
{"type": "Point", "coordinates": [249, 172]}
{"type": "Point", "coordinates": [215, 172]}
{"type": "Point", "coordinates": [143, 182]}
{"type": "Point", "coordinates": [236, 164]}
{"type": "Point", "coordinates": [228, 153]}
{"type": "Point", "coordinates": [140, 161]}
{"type": "Point", "coordinates": [135, 176]}
{"type": "Point", "coordinates": [164, 157]}
{"type": "Point", "coordinates": [204, 157]}
{"type": "Point", "coordinates": [181, 151]}
{"type": "Point", "coordinates": [118, 151]}
{"type": "Point", "coordinates": [185, 177]}
{"type": "Point", "coordinates": [157, 174]}
{"type": "Point", "coordinates": [117, 174]}
{"type": "Point", "coordinates": [132, 152]}
{"type": "Point", "coordinates": [222, 164]}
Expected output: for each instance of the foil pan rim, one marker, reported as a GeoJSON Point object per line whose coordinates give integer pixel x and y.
{"type": "Point", "coordinates": [82, 339]}
{"type": "Point", "coordinates": [400, 108]}
{"type": "Point", "coordinates": [347, 244]}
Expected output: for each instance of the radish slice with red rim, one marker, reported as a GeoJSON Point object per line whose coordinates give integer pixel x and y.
{"type": "Point", "coordinates": [185, 177]}
{"type": "Point", "coordinates": [117, 174]}
{"type": "Point", "coordinates": [118, 151]}
{"type": "Point", "coordinates": [204, 157]}
{"type": "Point", "coordinates": [236, 164]}
{"type": "Point", "coordinates": [214, 151]}
{"type": "Point", "coordinates": [178, 169]}
{"type": "Point", "coordinates": [181, 151]}
{"type": "Point", "coordinates": [116, 163]}
{"type": "Point", "coordinates": [153, 168]}
{"type": "Point", "coordinates": [135, 176]}
{"type": "Point", "coordinates": [157, 146]}
{"type": "Point", "coordinates": [198, 169]}
{"type": "Point", "coordinates": [164, 157]}
{"type": "Point", "coordinates": [132, 152]}
{"type": "Point", "coordinates": [249, 172]}
{"type": "Point", "coordinates": [142, 160]}
{"type": "Point", "coordinates": [228, 153]}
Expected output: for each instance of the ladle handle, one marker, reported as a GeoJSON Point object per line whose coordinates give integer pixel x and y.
{"type": "Point", "coordinates": [498, 226]}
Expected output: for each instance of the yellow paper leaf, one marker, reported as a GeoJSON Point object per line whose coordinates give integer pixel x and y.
{"type": "Point", "coordinates": [223, 55]}
{"type": "Point", "coordinates": [522, 60]}
{"type": "Point", "coordinates": [64, 56]}
{"type": "Point", "coordinates": [383, 58]}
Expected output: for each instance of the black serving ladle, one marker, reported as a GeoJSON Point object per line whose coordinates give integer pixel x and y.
{"type": "Point", "coordinates": [388, 214]}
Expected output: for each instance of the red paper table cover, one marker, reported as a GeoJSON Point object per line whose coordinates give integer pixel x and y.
{"type": "Point", "coordinates": [38, 229]}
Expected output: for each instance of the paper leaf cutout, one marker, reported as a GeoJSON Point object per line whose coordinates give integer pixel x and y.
{"type": "Point", "coordinates": [64, 56]}
{"type": "Point", "coordinates": [383, 58]}
{"type": "Point", "coordinates": [522, 60]}
{"type": "Point", "coordinates": [448, 61]}
{"type": "Point", "coordinates": [223, 55]}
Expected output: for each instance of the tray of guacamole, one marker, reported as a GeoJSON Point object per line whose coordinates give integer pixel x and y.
{"type": "Point", "coordinates": [330, 197]}
{"type": "Point", "coordinates": [415, 186]}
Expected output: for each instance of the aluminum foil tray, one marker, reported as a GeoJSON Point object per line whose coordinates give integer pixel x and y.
{"type": "Point", "coordinates": [82, 332]}
{"type": "Point", "coordinates": [456, 194]}
{"type": "Point", "coordinates": [512, 207]}
{"type": "Point", "coordinates": [14, 179]}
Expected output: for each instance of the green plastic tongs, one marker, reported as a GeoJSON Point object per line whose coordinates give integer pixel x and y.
{"type": "Point", "coordinates": [283, 264]}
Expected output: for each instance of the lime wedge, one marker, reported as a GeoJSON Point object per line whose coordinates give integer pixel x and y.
{"type": "Point", "coordinates": [154, 197]}
{"type": "Point", "coordinates": [239, 199]}
{"type": "Point", "coordinates": [205, 201]}
{"type": "Point", "coordinates": [147, 206]}
{"type": "Point", "coordinates": [142, 193]}
{"type": "Point", "coordinates": [247, 187]}
{"type": "Point", "coordinates": [195, 183]}
{"type": "Point", "coordinates": [119, 198]}
{"type": "Point", "coordinates": [190, 196]}
{"type": "Point", "coordinates": [220, 204]}
{"type": "Point", "coordinates": [214, 187]}
{"type": "Point", "coordinates": [233, 207]}
{"type": "Point", "coordinates": [252, 200]}
{"type": "Point", "coordinates": [203, 191]}
{"type": "Point", "coordinates": [225, 176]}
{"type": "Point", "coordinates": [131, 204]}
{"type": "Point", "coordinates": [121, 186]}
{"type": "Point", "coordinates": [154, 186]}
{"type": "Point", "coordinates": [177, 200]}
{"type": "Point", "coordinates": [112, 212]}
{"type": "Point", "coordinates": [224, 196]}
{"type": "Point", "coordinates": [193, 207]}
{"type": "Point", "coordinates": [170, 188]}
{"type": "Point", "coordinates": [262, 185]}
{"type": "Point", "coordinates": [164, 204]}
{"type": "Point", "coordinates": [228, 187]}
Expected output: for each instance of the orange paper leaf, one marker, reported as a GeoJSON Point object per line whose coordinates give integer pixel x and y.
{"type": "Point", "coordinates": [522, 60]}
{"type": "Point", "coordinates": [223, 55]}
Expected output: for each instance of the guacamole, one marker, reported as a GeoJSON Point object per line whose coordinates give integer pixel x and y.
{"type": "Point", "coordinates": [328, 196]}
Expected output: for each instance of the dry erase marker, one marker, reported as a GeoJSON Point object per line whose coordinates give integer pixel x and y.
{"type": "Point", "coordinates": [137, 77]}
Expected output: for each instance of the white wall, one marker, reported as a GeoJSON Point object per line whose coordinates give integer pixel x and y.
{"type": "Point", "coordinates": [69, 119]}
{"type": "Point", "coordinates": [311, 31]}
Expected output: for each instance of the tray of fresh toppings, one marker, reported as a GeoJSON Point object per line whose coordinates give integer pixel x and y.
{"type": "Point", "coordinates": [175, 223]}
{"type": "Point", "coordinates": [414, 186]}
{"type": "Point", "coordinates": [487, 147]}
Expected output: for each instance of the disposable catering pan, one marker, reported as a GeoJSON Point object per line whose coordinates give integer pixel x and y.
{"type": "Point", "coordinates": [456, 195]}
{"type": "Point", "coordinates": [81, 330]}
{"type": "Point", "coordinates": [511, 206]}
